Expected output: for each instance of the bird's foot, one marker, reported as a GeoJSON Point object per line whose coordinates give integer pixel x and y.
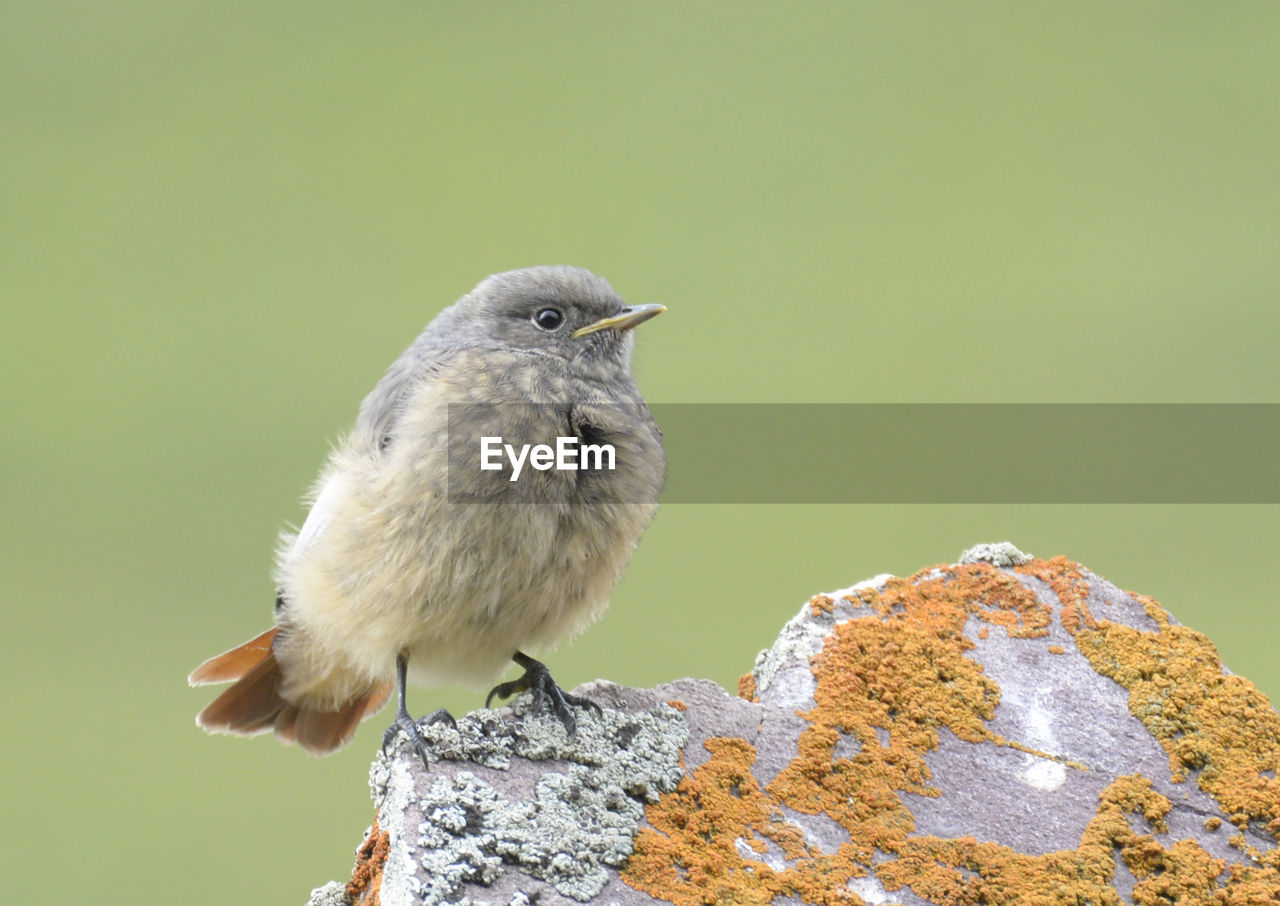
{"type": "Point", "coordinates": [409, 727]}
{"type": "Point", "coordinates": [547, 694]}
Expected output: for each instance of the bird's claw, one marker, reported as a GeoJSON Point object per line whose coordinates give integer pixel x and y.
{"type": "Point", "coordinates": [547, 694]}
{"type": "Point", "coordinates": [409, 727]}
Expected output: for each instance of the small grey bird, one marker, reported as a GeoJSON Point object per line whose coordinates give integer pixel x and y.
{"type": "Point", "coordinates": [427, 553]}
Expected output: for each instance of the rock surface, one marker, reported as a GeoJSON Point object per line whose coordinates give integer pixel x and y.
{"type": "Point", "coordinates": [1003, 730]}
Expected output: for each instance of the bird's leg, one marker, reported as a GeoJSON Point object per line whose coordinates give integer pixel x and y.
{"type": "Point", "coordinates": [406, 724]}
{"type": "Point", "coordinates": [546, 692]}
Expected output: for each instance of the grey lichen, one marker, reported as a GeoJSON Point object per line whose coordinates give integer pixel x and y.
{"type": "Point", "coordinates": [577, 823]}
{"type": "Point", "coordinates": [562, 820]}
{"type": "Point", "coordinates": [1000, 553]}
{"type": "Point", "coordinates": [332, 894]}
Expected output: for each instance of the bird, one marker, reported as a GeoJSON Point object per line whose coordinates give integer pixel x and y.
{"type": "Point", "coordinates": [424, 555]}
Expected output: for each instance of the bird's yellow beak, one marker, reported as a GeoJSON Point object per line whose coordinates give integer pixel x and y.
{"type": "Point", "coordinates": [626, 319]}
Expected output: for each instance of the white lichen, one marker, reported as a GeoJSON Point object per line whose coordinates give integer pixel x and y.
{"type": "Point", "coordinates": [999, 553]}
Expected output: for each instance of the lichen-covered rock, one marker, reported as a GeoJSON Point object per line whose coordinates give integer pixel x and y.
{"type": "Point", "coordinates": [1003, 730]}
{"type": "Point", "coordinates": [512, 809]}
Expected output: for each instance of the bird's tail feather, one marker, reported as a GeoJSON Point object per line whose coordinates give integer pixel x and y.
{"type": "Point", "coordinates": [233, 664]}
{"type": "Point", "coordinates": [254, 703]}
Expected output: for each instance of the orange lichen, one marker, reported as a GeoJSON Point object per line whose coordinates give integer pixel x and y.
{"type": "Point", "coordinates": [1213, 725]}
{"type": "Point", "coordinates": [888, 683]}
{"type": "Point", "coordinates": [966, 871]}
{"type": "Point", "coordinates": [365, 886]}
{"type": "Point", "coordinates": [694, 853]}
{"type": "Point", "coordinates": [677, 704]}
{"type": "Point", "coordinates": [1057, 649]}
{"type": "Point", "coordinates": [900, 679]}
{"type": "Point", "coordinates": [1068, 582]}
{"type": "Point", "coordinates": [747, 686]}
{"type": "Point", "coordinates": [820, 604]}
{"type": "Point", "coordinates": [944, 597]}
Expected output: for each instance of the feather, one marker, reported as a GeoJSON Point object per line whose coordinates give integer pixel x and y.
{"type": "Point", "coordinates": [320, 732]}
{"type": "Point", "coordinates": [233, 664]}
{"type": "Point", "coordinates": [251, 705]}
{"type": "Point", "coordinates": [254, 704]}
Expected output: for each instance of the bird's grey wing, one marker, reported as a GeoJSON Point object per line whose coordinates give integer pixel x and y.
{"type": "Point", "coordinates": [381, 409]}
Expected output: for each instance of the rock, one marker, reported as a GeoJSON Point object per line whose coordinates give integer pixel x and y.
{"type": "Point", "coordinates": [1003, 730]}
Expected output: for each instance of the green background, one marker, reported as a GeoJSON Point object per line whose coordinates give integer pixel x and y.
{"type": "Point", "coordinates": [222, 221]}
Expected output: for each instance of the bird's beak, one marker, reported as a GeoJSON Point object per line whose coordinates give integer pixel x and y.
{"type": "Point", "coordinates": [626, 319]}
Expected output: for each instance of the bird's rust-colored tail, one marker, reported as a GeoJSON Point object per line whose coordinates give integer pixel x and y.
{"type": "Point", "coordinates": [254, 705]}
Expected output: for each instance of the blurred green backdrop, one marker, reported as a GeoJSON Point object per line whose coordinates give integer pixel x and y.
{"type": "Point", "coordinates": [221, 221]}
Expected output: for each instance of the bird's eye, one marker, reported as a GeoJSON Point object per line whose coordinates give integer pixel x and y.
{"type": "Point", "coordinates": [548, 319]}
